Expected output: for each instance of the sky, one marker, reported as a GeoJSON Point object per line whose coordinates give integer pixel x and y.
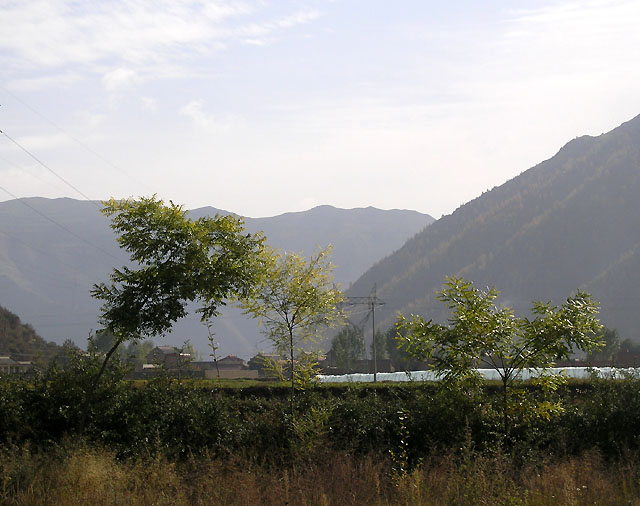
{"type": "Point", "coordinates": [263, 107]}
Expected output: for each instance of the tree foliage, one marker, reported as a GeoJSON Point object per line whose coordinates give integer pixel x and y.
{"type": "Point", "coordinates": [480, 333]}
{"type": "Point", "coordinates": [401, 360]}
{"type": "Point", "coordinates": [175, 260]}
{"type": "Point", "coordinates": [347, 347]}
{"type": "Point", "coordinates": [610, 346]}
{"type": "Point", "coordinates": [135, 352]}
{"type": "Point", "coordinates": [296, 299]}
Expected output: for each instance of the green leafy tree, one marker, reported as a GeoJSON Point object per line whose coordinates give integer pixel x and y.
{"type": "Point", "coordinates": [481, 333]}
{"type": "Point", "coordinates": [188, 349]}
{"type": "Point", "coordinates": [174, 261]}
{"type": "Point", "coordinates": [347, 347]}
{"type": "Point", "coordinates": [381, 345]}
{"type": "Point", "coordinates": [610, 346]}
{"type": "Point", "coordinates": [101, 341]}
{"type": "Point", "coordinates": [296, 299]}
{"type": "Point", "coordinates": [133, 353]}
{"type": "Point", "coordinates": [137, 351]}
{"type": "Point", "coordinates": [628, 350]}
{"type": "Point", "coordinates": [400, 359]}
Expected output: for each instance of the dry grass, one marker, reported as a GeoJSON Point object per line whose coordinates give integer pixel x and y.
{"type": "Point", "coordinates": [78, 475]}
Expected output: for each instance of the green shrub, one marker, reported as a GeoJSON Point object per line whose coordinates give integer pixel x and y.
{"type": "Point", "coordinates": [179, 419]}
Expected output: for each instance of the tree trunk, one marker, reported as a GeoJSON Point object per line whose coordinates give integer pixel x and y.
{"type": "Point", "coordinates": [293, 387]}
{"type": "Point", "coordinates": [89, 396]}
{"type": "Point", "coordinates": [505, 413]}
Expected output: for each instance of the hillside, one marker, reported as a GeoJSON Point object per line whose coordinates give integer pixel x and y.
{"type": "Point", "coordinates": [21, 342]}
{"type": "Point", "coordinates": [360, 237]}
{"type": "Point", "coordinates": [571, 221]}
{"type": "Point", "coordinates": [53, 250]}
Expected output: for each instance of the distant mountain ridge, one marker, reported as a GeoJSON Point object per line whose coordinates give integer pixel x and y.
{"type": "Point", "coordinates": [571, 221]}
{"type": "Point", "coordinates": [368, 234]}
{"type": "Point", "coordinates": [53, 250]}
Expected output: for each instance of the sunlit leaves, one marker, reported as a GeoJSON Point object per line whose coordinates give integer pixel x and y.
{"type": "Point", "coordinates": [481, 334]}
{"type": "Point", "coordinates": [175, 260]}
{"type": "Point", "coordinates": [296, 299]}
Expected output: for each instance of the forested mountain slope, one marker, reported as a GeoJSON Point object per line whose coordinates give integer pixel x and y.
{"type": "Point", "coordinates": [20, 341]}
{"type": "Point", "coordinates": [53, 250]}
{"type": "Point", "coordinates": [571, 221]}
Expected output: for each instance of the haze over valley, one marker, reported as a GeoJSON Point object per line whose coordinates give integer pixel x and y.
{"type": "Point", "coordinates": [569, 222]}
{"type": "Point", "coordinates": [54, 250]}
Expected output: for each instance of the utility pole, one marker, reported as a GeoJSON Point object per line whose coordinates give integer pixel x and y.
{"type": "Point", "coordinates": [371, 301]}
{"type": "Point", "coordinates": [373, 333]}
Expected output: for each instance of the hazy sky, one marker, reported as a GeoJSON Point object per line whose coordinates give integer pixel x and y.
{"type": "Point", "coordinates": [262, 107]}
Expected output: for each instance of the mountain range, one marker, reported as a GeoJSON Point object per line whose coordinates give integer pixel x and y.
{"type": "Point", "coordinates": [52, 251]}
{"type": "Point", "coordinates": [572, 221]}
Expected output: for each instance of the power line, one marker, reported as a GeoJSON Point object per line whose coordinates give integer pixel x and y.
{"type": "Point", "coordinates": [25, 170]}
{"type": "Point", "coordinates": [371, 301]}
{"type": "Point", "coordinates": [60, 225]}
{"type": "Point", "coordinates": [73, 138]}
{"type": "Point", "coordinates": [37, 250]}
{"type": "Point", "coordinates": [48, 168]}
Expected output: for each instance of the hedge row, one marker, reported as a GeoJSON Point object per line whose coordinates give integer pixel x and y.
{"type": "Point", "coordinates": [409, 420]}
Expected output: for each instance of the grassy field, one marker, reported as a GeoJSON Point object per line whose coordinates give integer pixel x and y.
{"type": "Point", "coordinates": [75, 474]}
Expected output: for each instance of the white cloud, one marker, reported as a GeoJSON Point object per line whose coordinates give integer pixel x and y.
{"type": "Point", "coordinates": [136, 34]}
{"type": "Point", "coordinates": [262, 33]}
{"type": "Point", "coordinates": [30, 179]}
{"type": "Point", "coordinates": [257, 42]}
{"type": "Point", "coordinates": [44, 82]}
{"type": "Point", "coordinates": [119, 78]}
{"type": "Point", "coordinates": [541, 62]}
{"type": "Point", "coordinates": [43, 142]}
{"type": "Point", "coordinates": [299, 18]}
{"type": "Point", "coordinates": [582, 31]}
{"type": "Point", "coordinates": [149, 104]}
{"type": "Point", "coordinates": [367, 95]}
{"type": "Point", "coordinates": [201, 119]}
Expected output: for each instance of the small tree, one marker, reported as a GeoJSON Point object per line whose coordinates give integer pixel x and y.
{"type": "Point", "coordinates": [610, 346]}
{"type": "Point", "coordinates": [296, 299]}
{"type": "Point", "coordinates": [134, 353]}
{"type": "Point", "coordinates": [174, 260]}
{"type": "Point", "coordinates": [381, 345]}
{"type": "Point", "coordinates": [479, 332]}
{"type": "Point", "coordinates": [400, 359]}
{"type": "Point", "coordinates": [137, 351]}
{"type": "Point", "coordinates": [347, 347]}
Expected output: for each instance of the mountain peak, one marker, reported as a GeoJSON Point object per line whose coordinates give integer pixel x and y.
{"type": "Point", "coordinates": [569, 222]}
{"type": "Point", "coordinates": [49, 267]}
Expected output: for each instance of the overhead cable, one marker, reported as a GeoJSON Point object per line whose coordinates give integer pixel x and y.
{"type": "Point", "coordinates": [48, 168]}
{"type": "Point", "coordinates": [72, 137]}
{"type": "Point", "coordinates": [23, 201]}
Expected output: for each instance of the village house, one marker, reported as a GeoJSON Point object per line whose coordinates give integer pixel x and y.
{"type": "Point", "coordinates": [11, 366]}
{"type": "Point", "coordinates": [229, 367]}
{"type": "Point", "coordinates": [265, 363]}
{"type": "Point", "coordinates": [168, 357]}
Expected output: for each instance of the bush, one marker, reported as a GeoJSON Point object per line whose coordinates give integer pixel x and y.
{"type": "Point", "coordinates": [181, 419]}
